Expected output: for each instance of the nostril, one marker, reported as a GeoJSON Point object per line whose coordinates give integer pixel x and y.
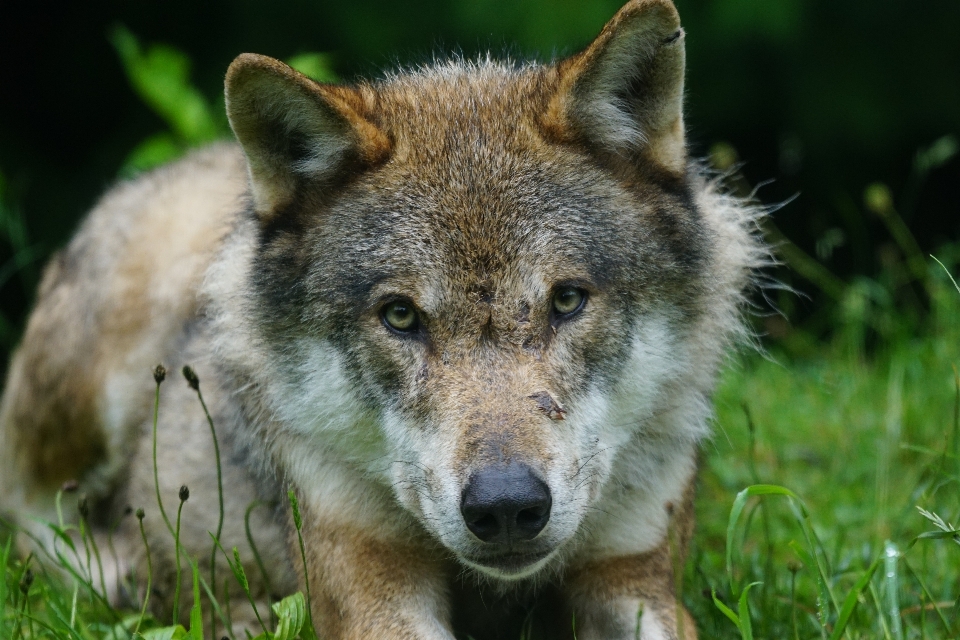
{"type": "Point", "coordinates": [530, 518]}
{"type": "Point", "coordinates": [531, 521]}
{"type": "Point", "coordinates": [484, 526]}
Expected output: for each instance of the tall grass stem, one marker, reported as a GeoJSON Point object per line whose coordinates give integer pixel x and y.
{"type": "Point", "coordinates": [146, 594]}
{"type": "Point", "coordinates": [194, 381]}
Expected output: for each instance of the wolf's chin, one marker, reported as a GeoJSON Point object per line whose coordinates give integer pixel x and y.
{"type": "Point", "coordinates": [511, 567]}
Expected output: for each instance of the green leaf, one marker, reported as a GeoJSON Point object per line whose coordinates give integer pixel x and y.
{"type": "Point", "coordinates": [166, 633]}
{"type": "Point", "coordinates": [291, 614]}
{"type": "Point", "coordinates": [725, 610]}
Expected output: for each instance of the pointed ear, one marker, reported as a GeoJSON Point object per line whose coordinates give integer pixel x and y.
{"type": "Point", "coordinates": [624, 93]}
{"type": "Point", "coordinates": [295, 131]}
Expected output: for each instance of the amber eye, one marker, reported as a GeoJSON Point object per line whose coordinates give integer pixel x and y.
{"type": "Point", "coordinates": [400, 316]}
{"type": "Point", "coordinates": [568, 300]}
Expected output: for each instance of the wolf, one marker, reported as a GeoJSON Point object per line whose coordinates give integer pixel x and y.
{"type": "Point", "coordinates": [470, 315]}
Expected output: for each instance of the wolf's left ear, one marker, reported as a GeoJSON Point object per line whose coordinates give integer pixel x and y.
{"type": "Point", "coordinates": [624, 93]}
{"type": "Point", "coordinates": [295, 131]}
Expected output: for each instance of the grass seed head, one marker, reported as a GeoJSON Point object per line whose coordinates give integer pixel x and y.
{"type": "Point", "coordinates": [295, 505]}
{"type": "Point", "coordinates": [192, 378]}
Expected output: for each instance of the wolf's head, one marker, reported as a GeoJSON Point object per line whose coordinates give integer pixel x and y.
{"type": "Point", "coordinates": [500, 289]}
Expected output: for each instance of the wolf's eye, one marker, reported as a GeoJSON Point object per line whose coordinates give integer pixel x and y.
{"type": "Point", "coordinates": [568, 300]}
{"type": "Point", "coordinates": [400, 316]}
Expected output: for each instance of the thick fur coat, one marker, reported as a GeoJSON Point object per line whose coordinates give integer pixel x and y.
{"type": "Point", "coordinates": [471, 314]}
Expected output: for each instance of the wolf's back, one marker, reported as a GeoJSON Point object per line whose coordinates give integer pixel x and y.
{"type": "Point", "coordinates": [111, 306]}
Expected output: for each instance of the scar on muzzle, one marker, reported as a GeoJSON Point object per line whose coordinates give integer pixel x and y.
{"type": "Point", "coordinates": [548, 405]}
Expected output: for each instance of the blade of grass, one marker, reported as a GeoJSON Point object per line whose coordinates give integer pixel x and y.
{"type": "Point", "coordinates": [217, 609]}
{"type": "Point", "coordinates": [823, 598]}
{"type": "Point", "coordinates": [881, 618]}
{"type": "Point", "coordinates": [146, 594]}
{"type": "Point", "coordinates": [725, 610]}
{"type": "Point", "coordinates": [743, 608]}
{"type": "Point", "coordinates": [892, 588]}
{"type": "Point", "coordinates": [956, 286]}
{"type": "Point", "coordinates": [237, 568]}
{"type": "Point", "coordinates": [850, 602]}
{"type": "Point", "coordinates": [184, 495]}
{"type": "Point", "coordinates": [4, 570]}
{"type": "Point", "coordinates": [926, 592]}
{"type": "Point", "coordinates": [159, 375]}
{"type": "Point", "coordinates": [256, 552]}
{"type": "Point", "coordinates": [196, 613]}
{"type": "Point", "coordinates": [309, 631]}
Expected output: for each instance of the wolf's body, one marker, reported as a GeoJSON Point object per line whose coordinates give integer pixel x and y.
{"type": "Point", "coordinates": [378, 294]}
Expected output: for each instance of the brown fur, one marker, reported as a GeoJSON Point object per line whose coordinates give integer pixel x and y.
{"type": "Point", "coordinates": [472, 192]}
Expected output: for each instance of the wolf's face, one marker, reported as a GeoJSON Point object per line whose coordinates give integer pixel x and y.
{"type": "Point", "coordinates": [491, 302]}
{"type": "Point", "coordinates": [499, 285]}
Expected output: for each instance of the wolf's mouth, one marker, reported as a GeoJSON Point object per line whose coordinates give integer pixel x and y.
{"type": "Point", "coordinates": [510, 565]}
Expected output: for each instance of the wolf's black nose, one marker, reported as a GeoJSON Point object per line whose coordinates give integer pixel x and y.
{"type": "Point", "coordinates": [502, 504]}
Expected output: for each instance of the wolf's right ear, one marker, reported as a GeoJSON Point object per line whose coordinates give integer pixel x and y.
{"type": "Point", "coordinates": [294, 130]}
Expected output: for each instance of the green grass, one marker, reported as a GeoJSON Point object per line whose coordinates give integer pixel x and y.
{"type": "Point", "coordinates": [862, 441]}
{"type": "Point", "coordinates": [866, 442]}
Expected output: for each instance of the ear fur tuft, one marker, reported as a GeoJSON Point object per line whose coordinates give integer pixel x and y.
{"type": "Point", "coordinates": [295, 130]}
{"type": "Point", "coordinates": [624, 92]}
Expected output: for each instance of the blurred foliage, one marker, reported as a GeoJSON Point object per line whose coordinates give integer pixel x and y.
{"type": "Point", "coordinates": [161, 77]}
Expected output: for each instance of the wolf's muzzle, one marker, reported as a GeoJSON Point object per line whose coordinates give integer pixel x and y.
{"type": "Point", "coordinates": [505, 504]}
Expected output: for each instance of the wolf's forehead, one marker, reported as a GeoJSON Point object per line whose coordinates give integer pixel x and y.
{"type": "Point", "coordinates": [489, 214]}
{"type": "Point", "coordinates": [473, 195]}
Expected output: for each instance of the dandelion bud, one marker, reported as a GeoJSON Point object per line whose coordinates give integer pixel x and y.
{"type": "Point", "coordinates": [160, 373]}
{"type": "Point", "coordinates": [140, 514]}
{"type": "Point", "coordinates": [184, 493]}
{"type": "Point", "coordinates": [192, 378]}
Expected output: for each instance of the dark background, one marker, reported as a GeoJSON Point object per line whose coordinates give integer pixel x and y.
{"type": "Point", "coordinates": [821, 97]}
